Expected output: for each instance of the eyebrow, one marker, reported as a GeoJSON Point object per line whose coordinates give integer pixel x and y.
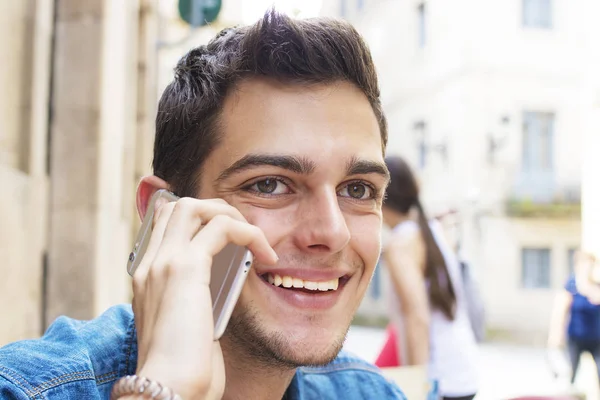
{"type": "Point", "coordinates": [301, 165]}
{"type": "Point", "coordinates": [298, 165]}
{"type": "Point", "coordinates": [363, 167]}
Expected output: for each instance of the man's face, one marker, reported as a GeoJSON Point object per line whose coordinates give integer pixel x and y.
{"type": "Point", "coordinates": [303, 163]}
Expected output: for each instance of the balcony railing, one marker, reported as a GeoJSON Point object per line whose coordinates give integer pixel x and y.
{"type": "Point", "coordinates": [538, 195]}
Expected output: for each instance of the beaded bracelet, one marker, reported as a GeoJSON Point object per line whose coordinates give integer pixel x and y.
{"type": "Point", "coordinates": [133, 385]}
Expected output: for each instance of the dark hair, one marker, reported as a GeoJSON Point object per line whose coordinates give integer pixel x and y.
{"type": "Point", "coordinates": [401, 195]}
{"type": "Point", "coordinates": [316, 50]}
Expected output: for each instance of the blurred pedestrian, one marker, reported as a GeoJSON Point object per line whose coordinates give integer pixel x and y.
{"type": "Point", "coordinates": [450, 221]}
{"type": "Point", "coordinates": [429, 312]}
{"type": "Point", "coordinates": [576, 316]}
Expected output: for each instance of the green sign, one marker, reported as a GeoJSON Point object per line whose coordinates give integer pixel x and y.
{"type": "Point", "coordinates": [199, 12]}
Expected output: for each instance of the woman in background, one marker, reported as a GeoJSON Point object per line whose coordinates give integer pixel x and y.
{"type": "Point", "coordinates": [430, 314]}
{"type": "Point", "coordinates": [577, 313]}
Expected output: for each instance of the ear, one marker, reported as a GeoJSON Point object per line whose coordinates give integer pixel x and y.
{"type": "Point", "coordinates": [146, 188]}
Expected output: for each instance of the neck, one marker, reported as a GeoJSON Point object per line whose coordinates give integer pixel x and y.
{"type": "Point", "coordinates": [249, 378]}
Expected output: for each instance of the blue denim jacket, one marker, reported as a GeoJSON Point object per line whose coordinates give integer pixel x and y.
{"type": "Point", "coordinates": [83, 359]}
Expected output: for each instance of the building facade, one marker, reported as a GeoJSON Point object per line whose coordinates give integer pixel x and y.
{"type": "Point", "coordinates": [76, 134]}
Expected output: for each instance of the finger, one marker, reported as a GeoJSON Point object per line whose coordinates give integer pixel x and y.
{"type": "Point", "coordinates": [160, 221]}
{"type": "Point", "coordinates": [188, 217]}
{"type": "Point", "coordinates": [222, 230]}
{"type": "Point", "coordinates": [147, 299]}
{"type": "Point", "coordinates": [189, 214]}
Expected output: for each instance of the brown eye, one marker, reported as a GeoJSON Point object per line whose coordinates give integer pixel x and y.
{"type": "Point", "coordinates": [267, 186]}
{"type": "Point", "coordinates": [356, 190]}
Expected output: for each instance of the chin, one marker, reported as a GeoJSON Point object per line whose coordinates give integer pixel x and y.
{"type": "Point", "coordinates": [319, 347]}
{"type": "Point", "coordinates": [282, 344]}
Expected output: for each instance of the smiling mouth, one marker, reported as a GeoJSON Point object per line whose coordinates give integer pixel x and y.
{"type": "Point", "coordinates": [297, 284]}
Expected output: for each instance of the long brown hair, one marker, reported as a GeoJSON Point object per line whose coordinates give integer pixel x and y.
{"type": "Point", "coordinates": [401, 196]}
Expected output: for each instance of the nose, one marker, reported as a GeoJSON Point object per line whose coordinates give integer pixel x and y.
{"type": "Point", "coordinates": [321, 226]}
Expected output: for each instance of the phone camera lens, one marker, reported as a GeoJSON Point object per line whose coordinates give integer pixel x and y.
{"type": "Point", "coordinates": [131, 256]}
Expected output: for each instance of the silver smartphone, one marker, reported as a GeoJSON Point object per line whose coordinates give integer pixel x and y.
{"type": "Point", "coordinates": [229, 269]}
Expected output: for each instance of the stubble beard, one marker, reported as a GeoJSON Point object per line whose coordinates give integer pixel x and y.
{"type": "Point", "coordinates": [248, 338]}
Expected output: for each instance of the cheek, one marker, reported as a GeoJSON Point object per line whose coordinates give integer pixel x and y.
{"type": "Point", "coordinates": [274, 223]}
{"type": "Point", "coordinates": [366, 240]}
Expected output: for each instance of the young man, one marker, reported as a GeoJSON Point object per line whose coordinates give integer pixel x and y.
{"type": "Point", "coordinates": [273, 135]}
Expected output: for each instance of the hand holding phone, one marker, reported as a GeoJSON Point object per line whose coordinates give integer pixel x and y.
{"type": "Point", "coordinates": [229, 268]}
{"type": "Point", "coordinates": [173, 264]}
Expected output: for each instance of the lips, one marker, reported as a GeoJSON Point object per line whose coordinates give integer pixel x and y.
{"type": "Point", "coordinates": [304, 290]}
{"type": "Point", "coordinates": [317, 287]}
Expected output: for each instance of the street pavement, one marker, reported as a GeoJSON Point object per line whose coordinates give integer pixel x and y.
{"type": "Point", "coordinates": [506, 370]}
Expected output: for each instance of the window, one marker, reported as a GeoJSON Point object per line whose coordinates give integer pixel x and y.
{"type": "Point", "coordinates": [360, 4]}
{"type": "Point", "coordinates": [535, 180]}
{"type": "Point", "coordinates": [342, 8]}
{"type": "Point", "coordinates": [421, 25]}
{"type": "Point", "coordinates": [535, 272]}
{"type": "Point", "coordinates": [571, 261]}
{"type": "Point", "coordinates": [538, 138]}
{"type": "Point", "coordinates": [537, 14]}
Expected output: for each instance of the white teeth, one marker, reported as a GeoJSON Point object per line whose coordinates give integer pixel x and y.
{"type": "Point", "coordinates": [311, 285]}
{"type": "Point", "coordinates": [297, 283]}
{"type": "Point", "coordinates": [289, 281]}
